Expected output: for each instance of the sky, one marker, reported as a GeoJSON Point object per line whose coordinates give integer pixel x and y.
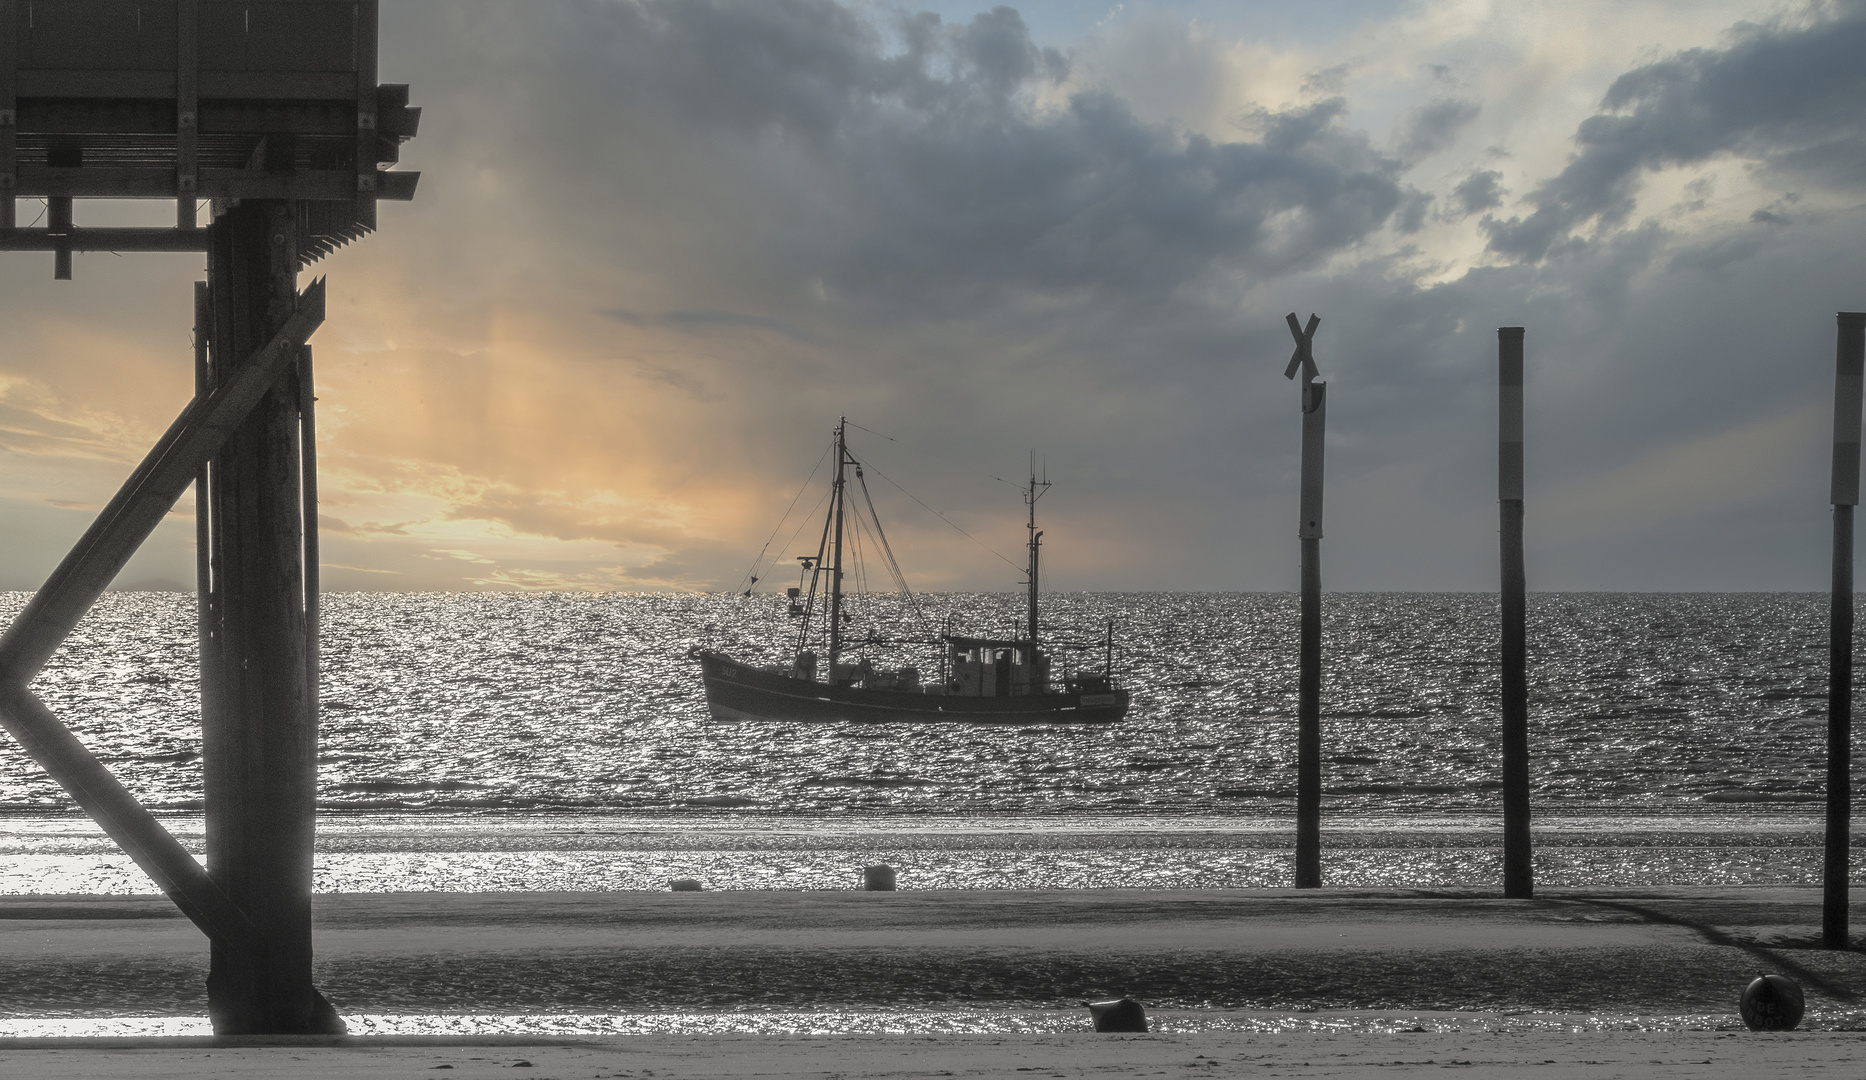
{"type": "Point", "coordinates": [659, 248]}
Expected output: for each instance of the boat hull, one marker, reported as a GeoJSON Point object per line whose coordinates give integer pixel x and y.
{"type": "Point", "coordinates": [736, 691]}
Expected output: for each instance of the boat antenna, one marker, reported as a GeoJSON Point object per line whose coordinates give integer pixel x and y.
{"type": "Point", "coordinates": [1038, 488]}
{"type": "Point", "coordinates": [835, 568]}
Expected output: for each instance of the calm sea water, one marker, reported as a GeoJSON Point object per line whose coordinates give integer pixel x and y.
{"type": "Point", "coordinates": [475, 741]}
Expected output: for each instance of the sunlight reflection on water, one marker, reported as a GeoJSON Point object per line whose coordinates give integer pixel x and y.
{"type": "Point", "coordinates": [925, 1022]}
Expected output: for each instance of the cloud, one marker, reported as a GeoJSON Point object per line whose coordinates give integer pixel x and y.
{"type": "Point", "coordinates": [1478, 191]}
{"type": "Point", "coordinates": [1786, 96]}
{"type": "Point", "coordinates": [660, 247]}
{"type": "Point", "coordinates": [1427, 129]}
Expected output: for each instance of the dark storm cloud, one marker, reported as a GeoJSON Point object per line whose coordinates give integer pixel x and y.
{"type": "Point", "coordinates": [1788, 97]}
{"type": "Point", "coordinates": [913, 165]}
{"type": "Point", "coordinates": [1429, 128]}
{"type": "Point", "coordinates": [807, 210]}
{"type": "Point", "coordinates": [1479, 191]}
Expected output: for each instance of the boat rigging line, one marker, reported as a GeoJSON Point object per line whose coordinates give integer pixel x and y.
{"type": "Point", "coordinates": [759, 561]}
{"type": "Point", "coordinates": [942, 457]}
{"type": "Point", "coordinates": [944, 518]}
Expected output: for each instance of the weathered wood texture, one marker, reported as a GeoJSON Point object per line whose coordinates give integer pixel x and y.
{"type": "Point", "coordinates": [74, 586]}
{"type": "Point", "coordinates": [146, 497]}
{"type": "Point", "coordinates": [1309, 662]}
{"type": "Point", "coordinates": [1518, 868]}
{"type": "Point", "coordinates": [1849, 368]}
{"type": "Point", "coordinates": [198, 99]}
{"type": "Point", "coordinates": [259, 747]}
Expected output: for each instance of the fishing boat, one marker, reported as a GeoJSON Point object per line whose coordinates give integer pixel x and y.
{"type": "Point", "coordinates": [1014, 679]}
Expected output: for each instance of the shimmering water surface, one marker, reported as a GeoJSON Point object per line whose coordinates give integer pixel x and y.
{"type": "Point", "coordinates": [927, 1022]}
{"type": "Point", "coordinates": [504, 741]}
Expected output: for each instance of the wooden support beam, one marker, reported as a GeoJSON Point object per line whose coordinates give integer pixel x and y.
{"type": "Point", "coordinates": [120, 182]}
{"type": "Point", "coordinates": [197, 434]}
{"type": "Point", "coordinates": [58, 224]}
{"type": "Point", "coordinates": [1844, 494]}
{"type": "Point", "coordinates": [106, 239]}
{"type": "Point", "coordinates": [1518, 864]}
{"type": "Point", "coordinates": [1309, 663]}
{"type": "Point", "coordinates": [368, 178]}
{"type": "Point", "coordinates": [259, 745]}
{"type": "Point", "coordinates": [9, 111]}
{"type": "Point", "coordinates": [307, 478]}
{"type": "Point", "coordinates": [187, 108]}
{"type": "Point", "coordinates": [123, 819]}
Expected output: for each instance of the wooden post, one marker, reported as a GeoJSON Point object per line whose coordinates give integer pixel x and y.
{"type": "Point", "coordinates": [259, 747]}
{"type": "Point", "coordinates": [9, 113]}
{"type": "Point", "coordinates": [1309, 665]}
{"type": "Point", "coordinates": [307, 477]}
{"type": "Point", "coordinates": [1518, 872]}
{"type": "Point", "coordinates": [1849, 358]}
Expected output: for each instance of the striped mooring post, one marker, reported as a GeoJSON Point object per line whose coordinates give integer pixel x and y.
{"type": "Point", "coordinates": [1849, 357]}
{"type": "Point", "coordinates": [1518, 873]}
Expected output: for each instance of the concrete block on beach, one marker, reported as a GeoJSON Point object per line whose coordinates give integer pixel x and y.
{"type": "Point", "coordinates": [878, 878]}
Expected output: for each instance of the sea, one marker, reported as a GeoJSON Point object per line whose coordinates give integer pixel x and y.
{"type": "Point", "coordinates": [560, 741]}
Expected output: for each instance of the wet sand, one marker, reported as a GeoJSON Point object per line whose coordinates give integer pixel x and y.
{"type": "Point", "coordinates": [1671, 952]}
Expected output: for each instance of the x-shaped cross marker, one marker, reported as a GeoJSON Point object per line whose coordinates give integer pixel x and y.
{"type": "Point", "coordinates": [1304, 357]}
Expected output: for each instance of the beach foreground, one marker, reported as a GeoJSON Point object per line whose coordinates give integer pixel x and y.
{"type": "Point", "coordinates": [1705, 1055]}
{"type": "Point", "coordinates": [1315, 983]}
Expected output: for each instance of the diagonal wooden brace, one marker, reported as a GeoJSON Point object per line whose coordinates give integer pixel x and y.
{"type": "Point", "coordinates": [139, 506]}
{"type": "Point", "coordinates": [147, 496]}
{"type": "Point", "coordinates": [125, 820]}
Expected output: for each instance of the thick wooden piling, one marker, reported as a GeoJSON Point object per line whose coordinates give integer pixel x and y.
{"type": "Point", "coordinates": [1849, 359]}
{"type": "Point", "coordinates": [259, 720]}
{"type": "Point", "coordinates": [1518, 873]}
{"type": "Point", "coordinates": [1309, 664]}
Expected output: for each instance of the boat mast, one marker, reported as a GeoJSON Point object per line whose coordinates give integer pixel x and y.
{"type": "Point", "coordinates": [835, 570]}
{"type": "Point", "coordinates": [1037, 488]}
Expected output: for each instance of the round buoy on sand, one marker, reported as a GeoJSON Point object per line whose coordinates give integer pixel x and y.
{"type": "Point", "coordinates": [1772, 1003]}
{"type": "Point", "coordinates": [1122, 1014]}
{"type": "Point", "coordinates": [686, 884]}
{"type": "Point", "coordinates": [878, 878]}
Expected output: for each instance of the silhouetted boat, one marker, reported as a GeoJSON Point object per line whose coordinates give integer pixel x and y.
{"type": "Point", "coordinates": [980, 679]}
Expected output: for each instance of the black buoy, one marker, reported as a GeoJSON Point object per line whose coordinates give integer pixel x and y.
{"type": "Point", "coordinates": [1121, 1014]}
{"type": "Point", "coordinates": [878, 878]}
{"type": "Point", "coordinates": [686, 884]}
{"type": "Point", "coordinates": [1772, 1003]}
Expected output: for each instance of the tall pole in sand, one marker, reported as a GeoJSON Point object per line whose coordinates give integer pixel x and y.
{"type": "Point", "coordinates": [1309, 667]}
{"type": "Point", "coordinates": [1518, 875]}
{"type": "Point", "coordinates": [1849, 358]}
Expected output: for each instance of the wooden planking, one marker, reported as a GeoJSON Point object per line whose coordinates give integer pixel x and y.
{"type": "Point", "coordinates": [233, 85]}
{"type": "Point", "coordinates": [306, 36]}
{"type": "Point", "coordinates": [119, 239]}
{"type": "Point", "coordinates": [319, 185]}
{"type": "Point", "coordinates": [124, 34]}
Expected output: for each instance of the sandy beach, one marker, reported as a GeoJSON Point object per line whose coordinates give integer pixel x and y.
{"type": "Point", "coordinates": [1331, 982]}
